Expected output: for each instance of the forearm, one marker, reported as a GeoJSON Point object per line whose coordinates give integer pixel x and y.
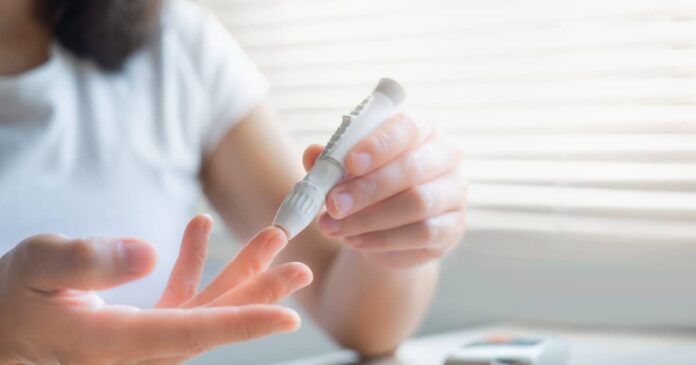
{"type": "Point", "coordinates": [372, 309]}
{"type": "Point", "coordinates": [365, 306]}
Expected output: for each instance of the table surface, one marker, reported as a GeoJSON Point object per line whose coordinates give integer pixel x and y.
{"type": "Point", "coordinates": [587, 346]}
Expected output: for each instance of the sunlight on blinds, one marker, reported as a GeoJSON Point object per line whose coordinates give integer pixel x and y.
{"type": "Point", "coordinates": [576, 117]}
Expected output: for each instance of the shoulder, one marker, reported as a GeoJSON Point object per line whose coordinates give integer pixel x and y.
{"type": "Point", "coordinates": [195, 28]}
{"type": "Point", "coordinates": [198, 47]}
{"type": "Point", "coordinates": [193, 35]}
{"type": "Point", "coordinates": [188, 22]}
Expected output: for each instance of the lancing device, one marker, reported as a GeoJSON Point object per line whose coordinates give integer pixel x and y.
{"type": "Point", "coordinates": [303, 203]}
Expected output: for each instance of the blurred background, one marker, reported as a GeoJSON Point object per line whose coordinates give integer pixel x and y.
{"type": "Point", "coordinates": [578, 120]}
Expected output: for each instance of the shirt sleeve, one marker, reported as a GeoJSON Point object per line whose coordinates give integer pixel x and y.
{"type": "Point", "coordinates": [233, 84]}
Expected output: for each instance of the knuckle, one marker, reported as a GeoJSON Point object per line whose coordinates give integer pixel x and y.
{"type": "Point", "coordinates": [187, 288]}
{"type": "Point", "coordinates": [254, 266]}
{"type": "Point", "coordinates": [381, 143]}
{"type": "Point", "coordinates": [198, 257]}
{"type": "Point", "coordinates": [462, 220]}
{"type": "Point", "coordinates": [413, 127]}
{"type": "Point", "coordinates": [270, 293]}
{"type": "Point", "coordinates": [412, 165]}
{"type": "Point", "coordinates": [29, 253]}
{"type": "Point", "coordinates": [434, 252]}
{"type": "Point", "coordinates": [428, 231]}
{"type": "Point", "coordinates": [81, 255]}
{"type": "Point", "coordinates": [420, 200]}
{"type": "Point", "coordinates": [367, 188]}
{"type": "Point", "coordinates": [355, 224]}
{"type": "Point", "coordinates": [368, 242]}
{"type": "Point", "coordinates": [356, 242]}
{"type": "Point", "coordinates": [33, 247]}
{"type": "Point", "coordinates": [192, 343]}
{"type": "Point", "coordinates": [81, 247]}
{"type": "Point", "coordinates": [246, 332]}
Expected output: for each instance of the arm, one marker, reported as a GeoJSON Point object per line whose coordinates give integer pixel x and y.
{"type": "Point", "coordinates": [375, 275]}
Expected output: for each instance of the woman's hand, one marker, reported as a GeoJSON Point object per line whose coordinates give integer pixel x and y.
{"type": "Point", "coordinates": [49, 313]}
{"type": "Point", "coordinates": [404, 201]}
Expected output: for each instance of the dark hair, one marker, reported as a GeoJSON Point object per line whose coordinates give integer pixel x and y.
{"type": "Point", "coordinates": [104, 31]}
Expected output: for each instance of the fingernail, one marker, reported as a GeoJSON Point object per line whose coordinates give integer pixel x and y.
{"type": "Point", "coordinates": [208, 221]}
{"type": "Point", "coordinates": [302, 279]}
{"type": "Point", "coordinates": [362, 162]}
{"type": "Point", "coordinates": [137, 255]}
{"type": "Point", "coordinates": [329, 225]}
{"type": "Point", "coordinates": [343, 203]}
{"type": "Point", "coordinates": [289, 323]}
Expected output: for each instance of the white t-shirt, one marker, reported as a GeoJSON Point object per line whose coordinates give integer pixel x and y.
{"type": "Point", "coordinates": [88, 153]}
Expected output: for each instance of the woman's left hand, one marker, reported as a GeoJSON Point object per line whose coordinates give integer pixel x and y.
{"type": "Point", "coordinates": [404, 200]}
{"type": "Point", "coordinates": [248, 283]}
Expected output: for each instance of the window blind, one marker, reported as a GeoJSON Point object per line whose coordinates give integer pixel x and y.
{"type": "Point", "coordinates": [575, 117]}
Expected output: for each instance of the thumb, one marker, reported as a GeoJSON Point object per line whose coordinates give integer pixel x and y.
{"type": "Point", "coordinates": [51, 262]}
{"type": "Point", "coordinates": [310, 155]}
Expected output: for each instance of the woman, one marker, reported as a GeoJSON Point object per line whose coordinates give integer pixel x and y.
{"type": "Point", "coordinates": [114, 115]}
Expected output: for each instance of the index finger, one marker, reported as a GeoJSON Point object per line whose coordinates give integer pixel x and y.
{"type": "Point", "coordinates": [395, 136]}
{"type": "Point", "coordinates": [158, 333]}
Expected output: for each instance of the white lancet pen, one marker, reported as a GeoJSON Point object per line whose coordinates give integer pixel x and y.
{"type": "Point", "coordinates": [303, 203]}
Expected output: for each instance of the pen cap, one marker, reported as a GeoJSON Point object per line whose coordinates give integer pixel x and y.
{"type": "Point", "coordinates": [392, 90]}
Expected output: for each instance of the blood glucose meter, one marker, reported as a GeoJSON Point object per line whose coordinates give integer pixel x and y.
{"type": "Point", "coordinates": [507, 350]}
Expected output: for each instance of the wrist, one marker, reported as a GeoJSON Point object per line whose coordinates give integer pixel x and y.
{"type": "Point", "coordinates": [396, 261]}
{"type": "Point", "coordinates": [385, 262]}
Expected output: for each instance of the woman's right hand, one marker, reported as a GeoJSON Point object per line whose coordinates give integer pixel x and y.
{"type": "Point", "coordinates": [50, 314]}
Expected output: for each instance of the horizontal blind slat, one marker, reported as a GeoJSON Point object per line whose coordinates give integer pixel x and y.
{"type": "Point", "coordinates": [657, 205]}
{"type": "Point", "coordinates": [264, 13]}
{"type": "Point", "coordinates": [523, 120]}
{"type": "Point", "coordinates": [486, 45]}
{"type": "Point", "coordinates": [645, 147]}
{"type": "Point", "coordinates": [657, 91]}
{"type": "Point", "coordinates": [628, 63]}
{"type": "Point", "coordinates": [560, 225]}
{"type": "Point", "coordinates": [616, 175]}
{"type": "Point", "coordinates": [563, 147]}
{"type": "Point", "coordinates": [456, 20]}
